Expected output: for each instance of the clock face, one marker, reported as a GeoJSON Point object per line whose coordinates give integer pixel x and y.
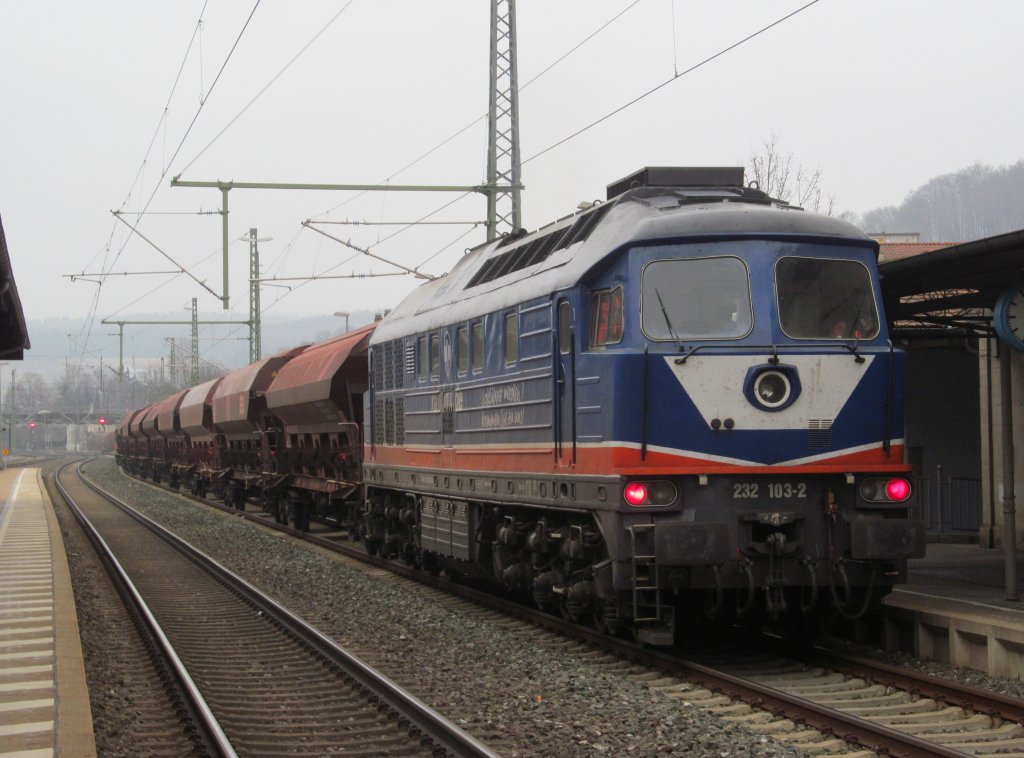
{"type": "Point", "coordinates": [1008, 317]}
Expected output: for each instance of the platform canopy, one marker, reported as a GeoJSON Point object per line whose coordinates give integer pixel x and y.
{"type": "Point", "coordinates": [951, 291]}
{"type": "Point", "coordinates": [13, 334]}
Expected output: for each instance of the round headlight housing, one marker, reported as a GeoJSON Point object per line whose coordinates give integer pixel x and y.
{"type": "Point", "coordinates": [772, 389]}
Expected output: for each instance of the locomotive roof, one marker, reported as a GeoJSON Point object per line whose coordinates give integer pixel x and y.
{"type": "Point", "coordinates": [647, 214]}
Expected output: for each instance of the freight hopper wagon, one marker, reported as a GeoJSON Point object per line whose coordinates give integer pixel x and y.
{"type": "Point", "coordinates": [126, 454]}
{"type": "Point", "coordinates": [241, 423]}
{"type": "Point", "coordinates": [200, 458]}
{"type": "Point", "coordinates": [316, 403]}
{"type": "Point", "coordinates": [682, 402]}
{"type": "Point", "coordinates": [168, 444]}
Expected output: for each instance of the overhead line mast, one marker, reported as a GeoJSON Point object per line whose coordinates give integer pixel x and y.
{"type": "Point", "coordinates": [502, 186]}
{"type": "Point", "coordinates": [504, 212]}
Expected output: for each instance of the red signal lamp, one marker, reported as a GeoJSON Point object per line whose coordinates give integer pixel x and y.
{"type": "Point", "coordinates": [103, 421]}
{"type": "Point", "coordinates": [31, 424]}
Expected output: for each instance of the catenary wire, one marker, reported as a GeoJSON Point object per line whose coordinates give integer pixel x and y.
{"type": "Point", "coordinates": [671, 79]}
{"type": "Point", "coordinates": [182, 142]}
{"type": "Point", "coordinates": [267, 86]}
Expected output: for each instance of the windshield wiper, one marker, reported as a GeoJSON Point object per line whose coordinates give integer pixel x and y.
{"type": "Point", "coordinates": [668, 321]}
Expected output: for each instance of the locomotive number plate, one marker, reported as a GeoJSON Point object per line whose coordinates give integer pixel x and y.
{"type": "Point", "coordinates": [769, 490]}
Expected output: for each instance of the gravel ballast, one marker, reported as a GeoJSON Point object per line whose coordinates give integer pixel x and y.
{"type": "Point", "coordinates": [522, 692]}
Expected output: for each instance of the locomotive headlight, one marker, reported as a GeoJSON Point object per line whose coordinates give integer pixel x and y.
{"type": "Point", "coordinates": [772, 389]}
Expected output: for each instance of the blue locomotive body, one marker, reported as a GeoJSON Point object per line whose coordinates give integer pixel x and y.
{"type": "Point", "coordinates": [682, 402]}
{"type": "Point", "coordinates": [682, 398]}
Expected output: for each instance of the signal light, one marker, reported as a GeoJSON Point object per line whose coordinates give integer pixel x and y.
{"type": "Point", "coordinates": [103, 421]}
{"type": "Point", "coordinates": [31, 424]}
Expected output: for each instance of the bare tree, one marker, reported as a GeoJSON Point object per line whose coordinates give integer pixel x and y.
{"type": "Point", "coordinates": [33, 392]}
{"type": "Point", "coordinates": [781, 176]}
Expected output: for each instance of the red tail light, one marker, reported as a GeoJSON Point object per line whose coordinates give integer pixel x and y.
{"type": "Point", "coordinates": [635, 493]}
{"type": "Point", "coordinates": [897, 489]}
{"type": "Point", "coordinates": [883, 491]}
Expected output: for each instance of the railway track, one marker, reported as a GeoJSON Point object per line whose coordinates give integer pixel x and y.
{"type": "Point", "coordinates": [255, 679]}
{"type": "Point", "coordinates": [822, 701]}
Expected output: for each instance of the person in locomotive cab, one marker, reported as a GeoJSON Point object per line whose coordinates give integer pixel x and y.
{"type": "Point", "coordinates": [863, 328]}
{"type": "Point", "coordinates": [825, 299]}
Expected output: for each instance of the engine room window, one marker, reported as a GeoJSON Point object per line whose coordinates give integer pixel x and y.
{"type": "Point", "coordinates": [478, 345]}
{"type": "Point", "coordinates": [435, 357]}
{"type": "Point", "coordinates": [462, 348]}
{"type": "Point", "coordinates": [696, 298]}
{"type": "Point", "coordinates": [423, 366]}
{"type": "Point", "coordinates": [511, 338]}
{"type": "Point", "coordinates": [606, 317]}
{"type": "Point", "coordinates": [825, 299]}
{"type": "Point", "coordinates": [564, 327]}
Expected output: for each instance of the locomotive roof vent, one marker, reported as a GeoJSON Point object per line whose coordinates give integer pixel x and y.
{"type": "Point", "coordinates": [679, 177]}
{"type": "Point", "coordinates": [691, 185]}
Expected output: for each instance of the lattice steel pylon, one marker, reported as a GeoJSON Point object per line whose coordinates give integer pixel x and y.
{"type": "Point", "coordinates": [255, 330]}
{"type": "Point", "coordinates": [194, 379]}
{"type": "Point", "coordinates": [503, 163]}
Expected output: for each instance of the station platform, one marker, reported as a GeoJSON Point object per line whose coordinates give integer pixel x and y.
{"type": "Point", "coordinates": [44, 700]}
{"type": "Point", "coordinates": [954, 609]}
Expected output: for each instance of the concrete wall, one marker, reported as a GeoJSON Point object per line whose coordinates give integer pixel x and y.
{"type": "Point", "coordinates": [991, 532]}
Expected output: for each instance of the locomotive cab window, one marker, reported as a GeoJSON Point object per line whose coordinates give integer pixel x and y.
{"type": "Point", "coordinates": [696, 298]}
{"type": "Point", "coordinates": [478, 346]}
{"type": "Point", "coordinates": [825, 299]}
{"type": "Point", "coordinates": [511, 338]}
{"type": "Point", "coordinates": [606, 318]}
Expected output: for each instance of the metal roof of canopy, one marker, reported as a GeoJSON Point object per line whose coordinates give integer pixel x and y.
{"type": "Point", "coordinates": [952, 289]}
{"type": "Point", "coordinates": [13, 333]}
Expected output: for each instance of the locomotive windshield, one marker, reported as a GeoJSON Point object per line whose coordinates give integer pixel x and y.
{"type": "Point", "coordinates": [696, 298]}
{"type": "Point", "coordinates": [825, 299]}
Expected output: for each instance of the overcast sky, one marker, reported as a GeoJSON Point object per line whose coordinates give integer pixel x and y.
{"type": "Point", "coordinates": [880, 95]}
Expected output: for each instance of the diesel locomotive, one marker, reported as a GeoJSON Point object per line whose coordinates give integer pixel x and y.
{"type": "Point", "coordinates": [681, 402]}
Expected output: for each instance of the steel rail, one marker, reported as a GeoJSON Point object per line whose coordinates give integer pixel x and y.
{"type": "Point", "coordinates": [965, 696]}
{"type": "Point", "coordinates": [210, 730]}
{"type": "Point", "coordinates": [420, 716]}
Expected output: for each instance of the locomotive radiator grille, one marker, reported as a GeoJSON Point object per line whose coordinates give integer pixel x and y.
{"type": "Point", "coordinates": [398, 359]}
{"type": "Point", "coordinates": [819, 433]}
{"type": "Point", "coordinates": [389, 365]}
{"type": "Point", "coordinates": [399, 420]}
{"type": "Point", "coordinates": [378, 422]}
{"type": "Point", "coordinates": [389, 421]}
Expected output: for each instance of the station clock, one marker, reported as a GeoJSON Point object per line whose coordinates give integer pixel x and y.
{"type": "Point", "coordinates": [1008, 317]}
